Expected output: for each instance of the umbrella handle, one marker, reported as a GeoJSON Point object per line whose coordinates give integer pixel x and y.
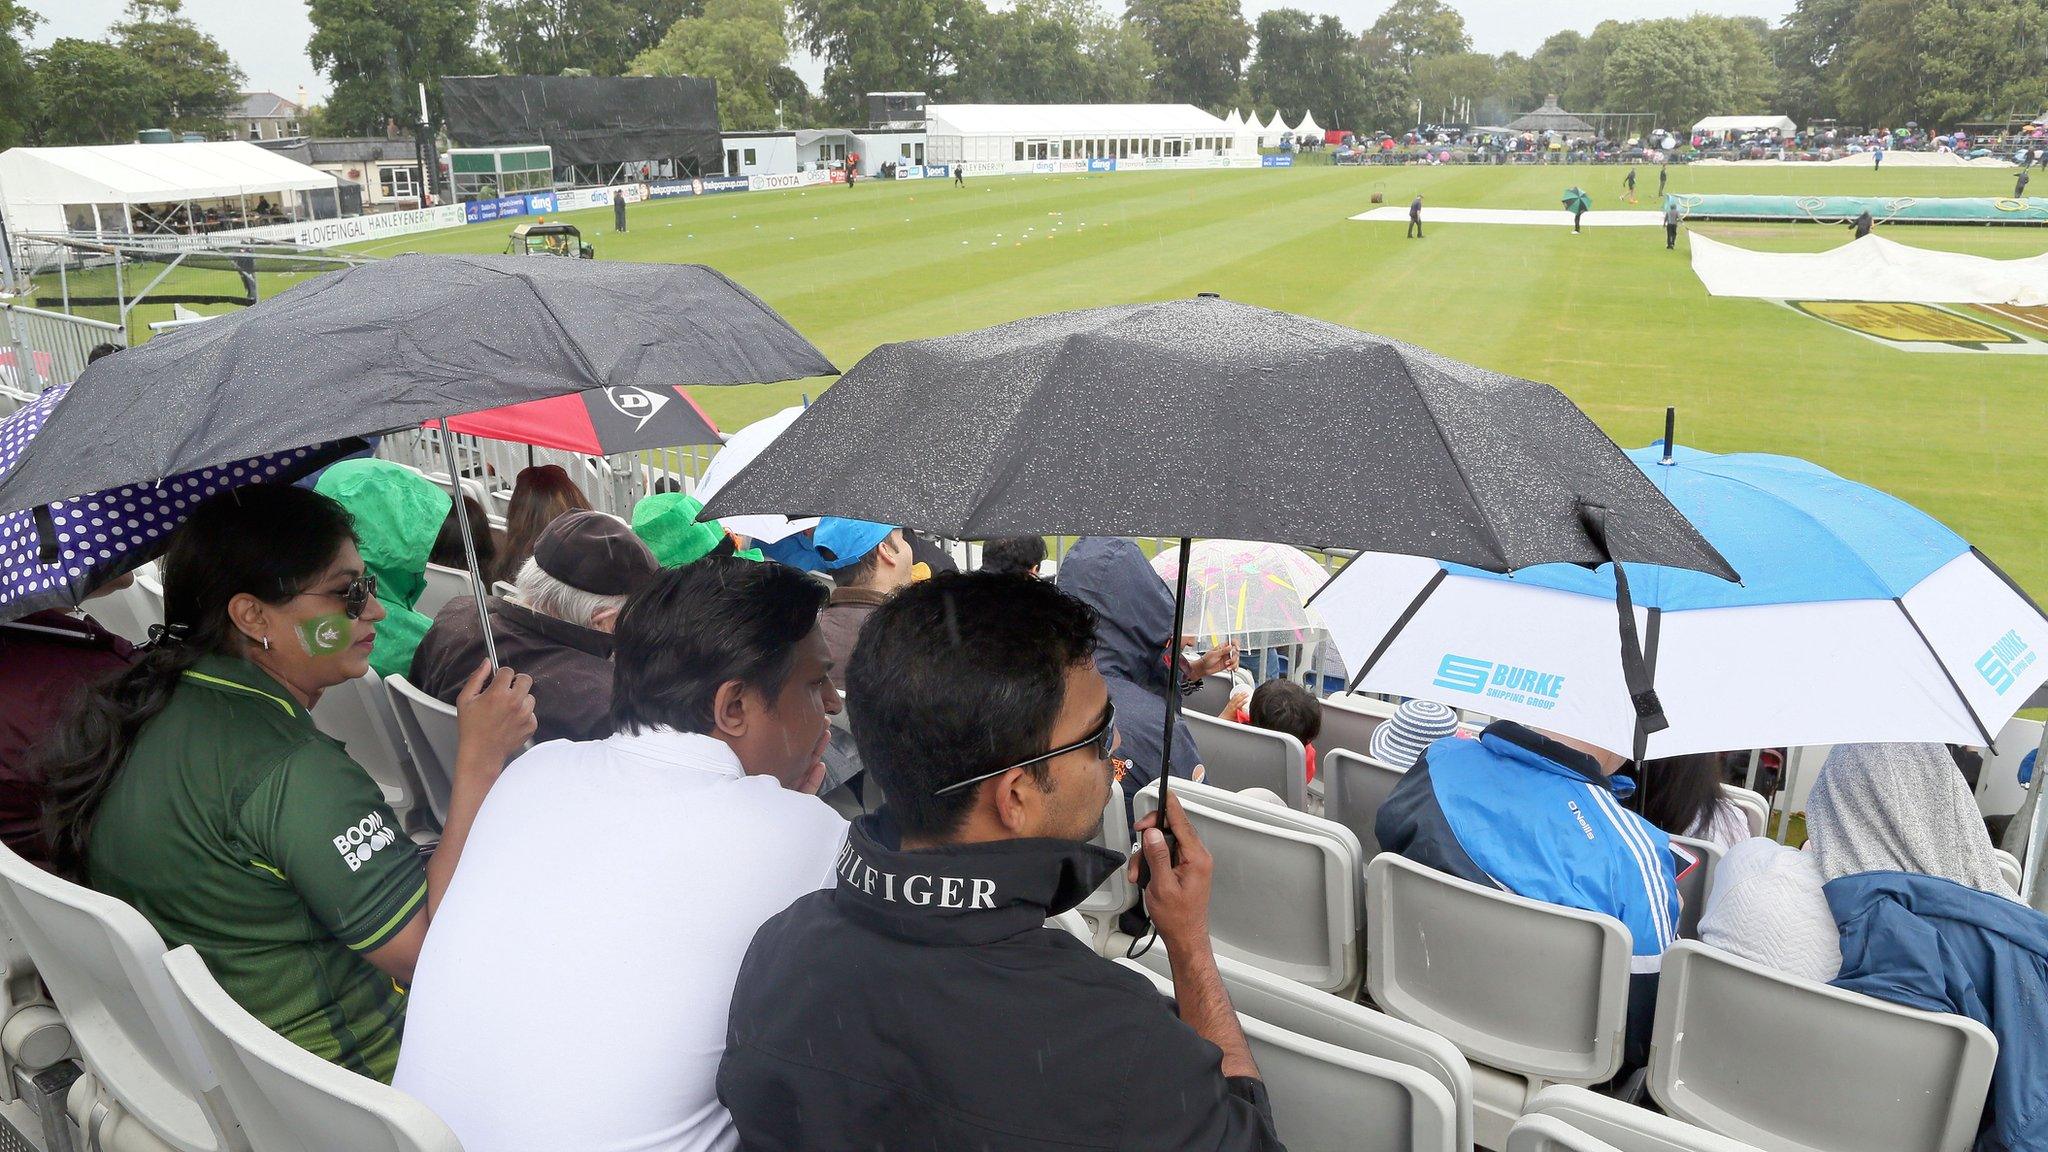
{"type": "Point", "coordinates": [476, 576]}
{"type": "Point", "coordinates": [1180, 612]}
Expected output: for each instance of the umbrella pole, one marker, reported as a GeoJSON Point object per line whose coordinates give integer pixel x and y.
{"type": "Point", "coordinates": [1173, 697]}
{"type": "Point", "coordinates": [476, 574]}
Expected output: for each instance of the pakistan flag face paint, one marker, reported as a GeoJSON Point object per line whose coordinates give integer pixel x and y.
{"type": "Point", "coordinates": [326, 635]}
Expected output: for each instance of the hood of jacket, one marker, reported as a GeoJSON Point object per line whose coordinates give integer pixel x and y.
{"type": "Point", "coordinates": [1133, 608]}
{"type": "Point", "coordinates": [397, 514]}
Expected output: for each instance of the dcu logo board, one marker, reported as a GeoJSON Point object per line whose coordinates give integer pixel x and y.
{"type": "Point", "coordinates": [1496, 681]}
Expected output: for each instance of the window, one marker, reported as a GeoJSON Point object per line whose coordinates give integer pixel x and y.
{"type": "Point", "coordinates": [397, 183]}
{"type": "Point", "coordinates": [1020, 149]}
{"type": "Point", "coordinates": [255, 130]}
{"type": "Point", "coordinates": [748, 159]}
{"type": "Point", "coordinates": [905, 150]}
{"type": "Point", "coordinates": [919, 157]}
{"type": "Point", "coordinates": [732, 161]}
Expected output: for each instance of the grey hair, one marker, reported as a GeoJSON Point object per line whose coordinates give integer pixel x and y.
{"type": "Point", "coordinates": [550, 597]}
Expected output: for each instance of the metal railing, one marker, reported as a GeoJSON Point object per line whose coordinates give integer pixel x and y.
{"type": "Point", "coordinates": [39, 349]}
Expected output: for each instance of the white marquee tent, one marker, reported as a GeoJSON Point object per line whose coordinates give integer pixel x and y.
{"type": "Point", "coordinates": [1234, 121]}
{"type": "Point", "coordinates": [991, 132]}
{"type": "Point", "coordinates": [1308, 129]}
{"type": "Point", "coordinates": [154, 187]}
{"type": "Point", "coordinates": [1715, 125]}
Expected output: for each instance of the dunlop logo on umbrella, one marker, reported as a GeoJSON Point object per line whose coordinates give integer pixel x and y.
{"type": "Point", "coordinates": [635, 404]}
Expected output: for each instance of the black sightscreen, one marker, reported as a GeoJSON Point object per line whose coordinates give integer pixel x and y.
{"type": "Point", "coordinates": [588, 119]}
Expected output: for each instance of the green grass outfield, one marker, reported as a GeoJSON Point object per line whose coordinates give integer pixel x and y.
{"type": "Point", "coordinates": [1609, 317]}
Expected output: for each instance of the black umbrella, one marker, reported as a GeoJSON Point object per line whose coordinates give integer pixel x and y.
{"type": "Point", "coordinates": [1204, 418]}
{"type": "Point", "coordinates": [391, 345]}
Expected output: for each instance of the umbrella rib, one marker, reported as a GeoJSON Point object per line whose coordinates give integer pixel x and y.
{"type": "Point", "coordinates": [1394, 633]}
{"type": "Point", "coordinates": [1989, 741]}
{"type": "Point", "coordinates": [1478, 506]}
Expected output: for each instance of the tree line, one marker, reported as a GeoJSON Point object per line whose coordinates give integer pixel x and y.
{"type": "Point", "coordinates": [1868, 63]}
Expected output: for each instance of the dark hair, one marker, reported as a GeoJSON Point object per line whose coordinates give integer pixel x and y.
{"type": "Point", "coordinates": [539, 495]}
{"type": "Point", "coordinates": [448, 542]}
{"type": "Point", "coordinates": [1013, 554]}
{"type": "Point", "coordinates": [1284, 706]}
{"type": "Point", "coordinates": [267, 540]}
{"type": "Point", "coordinates": [101, 352]}
{"type": "Point", "coordinates": [1677, 793]}
{"type": "Point", "coordinates": [693, 628]}
{"type": "Point", "coordinates": [957, 676]}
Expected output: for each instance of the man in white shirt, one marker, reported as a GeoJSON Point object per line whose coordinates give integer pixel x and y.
{"type": "Point", "coordinates": [574, 991]}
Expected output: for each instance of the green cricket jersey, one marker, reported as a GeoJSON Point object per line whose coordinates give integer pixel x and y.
{"type": "Point", "coordinates": [240, 829]}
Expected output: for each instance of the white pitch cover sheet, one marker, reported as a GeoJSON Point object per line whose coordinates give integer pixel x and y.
{"type": "Point", "coordinates": [1729, 678]}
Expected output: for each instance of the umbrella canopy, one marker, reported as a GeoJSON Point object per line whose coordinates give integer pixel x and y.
{"type": "Point", "coordinates": [81, 543]}
{"type": "Point", "coordinates": [739, 451]}
{"type": "Point", "coordinates": [1859, 618]}
{"type": "Point", "coordinates": [1576, 200]}
{"type": "Point", "coordinates": [1248, 589]}
{"type": "Point", "coordinates": [1114, 421]}
{"type": "Point", "coordinates": [389, 345]}
{"type": "Point", "coordinates": [598, 422]}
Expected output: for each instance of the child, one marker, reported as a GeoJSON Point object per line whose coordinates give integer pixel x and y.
{"type": "Point", "coordinates": [1281, 706]}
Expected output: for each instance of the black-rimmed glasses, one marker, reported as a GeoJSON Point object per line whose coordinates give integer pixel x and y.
{"type": "Point", "coordinates": [1101, 738]}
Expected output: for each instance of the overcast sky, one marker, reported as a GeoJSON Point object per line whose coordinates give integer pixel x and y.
{"type": "Point", "coordinates": [268, 37]}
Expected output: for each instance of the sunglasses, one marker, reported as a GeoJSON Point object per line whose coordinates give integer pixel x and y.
{"type": "Point", "coordinates": [356, 597]}
{"type": "Point", "coordinates": [1101, 739]}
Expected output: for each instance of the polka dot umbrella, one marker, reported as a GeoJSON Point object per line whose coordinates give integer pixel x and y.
{"type": "Point", "coordinates": [53, 555]}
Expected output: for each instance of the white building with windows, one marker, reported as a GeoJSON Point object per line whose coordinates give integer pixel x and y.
{"type": "Point", "coordinates": [972, 133]}
{"type": "Point", "coordinates": [760, 153]}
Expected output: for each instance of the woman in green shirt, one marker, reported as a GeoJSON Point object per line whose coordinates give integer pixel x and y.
{"type": "Point", "coordinates": [195, 786]}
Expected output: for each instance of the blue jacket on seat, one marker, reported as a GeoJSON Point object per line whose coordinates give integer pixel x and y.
{"type": "Point", "coordinates": [1936, 945]}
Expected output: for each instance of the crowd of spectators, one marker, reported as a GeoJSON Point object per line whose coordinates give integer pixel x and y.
{"type": "Point", "coordinates": [737, 964]}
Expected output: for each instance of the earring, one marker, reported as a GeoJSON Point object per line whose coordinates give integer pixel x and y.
{"type": "Point", "coordinates": [266, 643]}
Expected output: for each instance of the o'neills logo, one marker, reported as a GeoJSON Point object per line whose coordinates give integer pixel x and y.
{"type": "Point", "coordinates": [918, 889]}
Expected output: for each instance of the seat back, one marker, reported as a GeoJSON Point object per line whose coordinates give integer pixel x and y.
{"type": "Point", "coordinates": [1296, 1007]}
{"type": "Point", "coordinates": [1531, 988]}
{"type": "Point", "coordinates": [288, 1099]}
{"type": "Point", "coordinates": [1696, 883]}
{"type": "Point", "coordinates": [1328, 1096]}
{"type": "Point", "coordinates": [127, 613]}
{"type": "Point", "coordinates": [1754, 806]}
{"type": "Point", "coordinates": [1790, 1065]}
{"type": "Point", "coordinates": [1348, 721]}
{"type": "Point", "coordinates": [1285, 893]}
{"type": "Point", "coordinates": [2008, 867]}
{"type": "Point", "coordinates": [1623, 1125]}
{"type": "Point", "coordinates": [358, 713]}
{"type": "Point", "coordinates": [1549, 1134]}
{"type": "Point", "coordinates": [443, 584]}
{"type": "Point", "coordinates": [1354, 787]}
{"type": "Point", "coordinates": [429, 731]}
{"type": "Point", "coordinates": [1239, 756]}
{"type": "Point", "coordinates": [1116, 894]}
{"type": "Point", "coordinates": [1210, 696]}
{"type": "Point", "coordinates": [103, 964]}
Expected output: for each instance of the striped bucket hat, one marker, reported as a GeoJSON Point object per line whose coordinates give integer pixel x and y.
{"type": "Point", "coordinates": [1415, 726]}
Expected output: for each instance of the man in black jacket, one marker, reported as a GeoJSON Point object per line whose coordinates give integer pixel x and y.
{"type": "Point", "coordinates": [922, 1003]}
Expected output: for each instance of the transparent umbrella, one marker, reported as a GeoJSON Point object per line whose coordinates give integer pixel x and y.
{"type": "Point", "coordinates": [1248, 590]}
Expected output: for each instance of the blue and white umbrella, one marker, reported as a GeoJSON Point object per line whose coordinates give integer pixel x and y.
{"type": "Point", "coordinates": [52, 556]}
{"type": "Point", "coordinates": [1859, 618]}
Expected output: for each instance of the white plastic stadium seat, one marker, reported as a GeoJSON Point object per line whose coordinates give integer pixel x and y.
{"type": "Point", "coordinates": [103, 964]}
{"type": "Point", "coordinates": [428, 728]}
{"type": "Point", "coordinates": [1533, 993]}
{"type": "Point", "coordinates": [1116, 894]}
{"type": "Point", "coordinates": [2008, 867]}
{"type": "Point", "coordinates": [1285, 895]}
{"type": "Point", "coordinates": [1753, 804]}
{"type": "Point", "coordinates": [1354, 787]}
{"type": "Point", "coordinates": [443, 585]}
{"type": "Point", "coordinates": [1624, 1126]}
{"type": "Point", "coordinates": [1239, 756]}
{"type": "Point", "coordinates": [127, 613]}
{"type": "Point", "coordinates": [1209, 698]}
{"type": "Point", "coordinates": [1790, 1065]}
{"type": "Point", "coordinates": [1328, 1098]}
{"type": "Point", "coordinates": [288, 1099]}
{"type": "Point", "coordinates": [1348, 723]}
{"type": "Point", "coordinates": [1347, 1024]}
{"type": "Point", "coordinates": [358, 713]}
{"type": "Point", "coordinates": [1549, 1134]}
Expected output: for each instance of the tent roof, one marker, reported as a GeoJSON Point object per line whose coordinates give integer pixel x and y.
{"type": "Point", "coordinates": [139, 173]}
{"type": "Point", "coordinates": [1234, 121]}
{"type": "Point", "coordinates": [1746, 124]}
{"type": "Point", "coordinates": [1308, 125]}
{"type": "Point", "coordinates": [1549, 118]}
{"type": "Point", "coordinates": [1066, 119]}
